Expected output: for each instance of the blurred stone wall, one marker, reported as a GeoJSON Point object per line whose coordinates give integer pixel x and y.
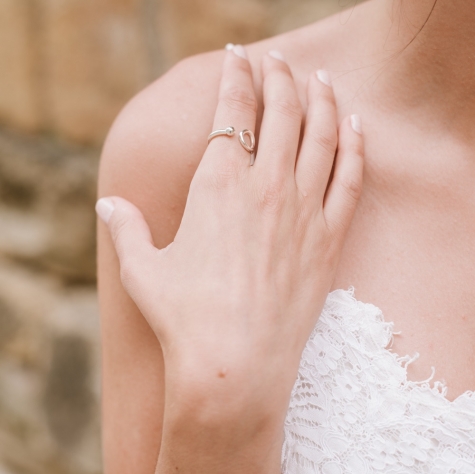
{"type": "Point", "coordinates": [66, 69]}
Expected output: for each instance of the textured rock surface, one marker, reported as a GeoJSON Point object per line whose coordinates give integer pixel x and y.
{"type": "Point", "coordinates": [49, 374]}
{"type": "Point", "coordinates": [67, 67]}
{"type": "Point", "coordinates": [47, 195]}
{"type": "Point", "coordinates": [49, 323]}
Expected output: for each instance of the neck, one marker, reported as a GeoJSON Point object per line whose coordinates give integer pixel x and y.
{"type": "Point", "coordinates": [424, 51]}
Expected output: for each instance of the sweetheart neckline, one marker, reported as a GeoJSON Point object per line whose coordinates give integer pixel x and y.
{"type": "Point", "coordinates": [353, 409]}
{"type": "Point", "coordinates": [437, 385]}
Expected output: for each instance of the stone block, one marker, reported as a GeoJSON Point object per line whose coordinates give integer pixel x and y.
{"type": "Point", "coordinates": [49, 375]}
{"type": "Point", "coordinates": [47, 197]}
{"type": "Point", "coordinates": [96, 60]}
{"type": "Point", "coordinates": [192, 26]}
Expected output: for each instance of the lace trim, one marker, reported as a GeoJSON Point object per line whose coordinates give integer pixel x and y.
{"type": "Point", "coordinates": [353, 409]}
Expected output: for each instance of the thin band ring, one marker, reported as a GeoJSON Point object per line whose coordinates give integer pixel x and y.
{"type": "Point", "coordinates": [229, 131]}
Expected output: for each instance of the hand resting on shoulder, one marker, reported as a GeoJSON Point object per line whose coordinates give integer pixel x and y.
{"type": "Point", "coordinates": [257, 246]}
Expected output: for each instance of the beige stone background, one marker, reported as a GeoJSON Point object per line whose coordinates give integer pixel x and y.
{"type": "Point", "coordinates": [67, 67]}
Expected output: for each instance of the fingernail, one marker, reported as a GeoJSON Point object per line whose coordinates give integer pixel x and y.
{"type": "Point", "coordinates": [356, 124]}
{"type": "Point", "coordinates": [273, 53]}
{"type": "Point", "coordinates": [229, 47]}
{"type": "Point", "coordinates": [239, 50]}
{"type": "Point", "coordinates": [105, 208]}
{"type": "Point", "coordinates": [324, 77]}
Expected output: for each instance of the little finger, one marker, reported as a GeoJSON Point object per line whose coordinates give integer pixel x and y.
{"type": "Point", "coordinates": [318, 149]}
{"type": "Point", "coordinates": [345, 189]}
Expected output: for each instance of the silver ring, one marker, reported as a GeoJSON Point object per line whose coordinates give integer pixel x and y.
{"type": "Point", "coordinates": [248, 147]}
{"type": "Point", "coordinates": [229, 131]}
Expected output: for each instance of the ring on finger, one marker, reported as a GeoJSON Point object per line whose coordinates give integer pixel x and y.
{"type": "Point", "coordinates": [248, 147]}
{"type": "Point", "coordinates": [229, 131]}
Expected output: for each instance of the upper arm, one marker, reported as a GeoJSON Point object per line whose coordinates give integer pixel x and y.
{"type": "Point", "coordinates": [149, 158]}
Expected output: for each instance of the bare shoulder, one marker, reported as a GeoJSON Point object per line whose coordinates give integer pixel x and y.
{"type": "Point", "coordinates": [157, 141]}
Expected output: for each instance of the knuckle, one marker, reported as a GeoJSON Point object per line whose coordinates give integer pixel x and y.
{"type": "Point", "coordinates": [288, 106]}
{"type": "Point", "coordinates": [221, 176]}
{"type": "Point", "coordinates": [240, 98]}
{"type": "Point", "coordinates": [128, 271]}
{"type": "Point", "coordinates": [271, 196]}
{"type": "Point", "coordinates": [326, 140]}
{"type": "Point", "coordinates": [325, 99]}
{"type": "Point", "coordinates": [129, 259]}
{"type": "Point", "coordinates": [336, 228]}
{"type": "Point", "coordinates": [120, 230]}
{"type": "Point", "coordinates": [356, 148]}
{"type": "Point", "coordinates": [352, 186]}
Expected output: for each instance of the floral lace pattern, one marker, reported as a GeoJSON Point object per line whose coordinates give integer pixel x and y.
{"type": "Point", "coordinates": [353, 410]}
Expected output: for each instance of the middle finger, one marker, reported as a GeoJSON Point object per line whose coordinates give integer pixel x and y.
{"type": "Point", "coordinates": [282, 121]}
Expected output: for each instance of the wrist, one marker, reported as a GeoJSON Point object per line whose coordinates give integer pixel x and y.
{"type": "Point", "coordinates": [201, 438]}
{"type": "Point", "coordinates": [221, 417]}
{"type": "Point", "coordinates": [211, 389]}
{"type": "Point", "coordinates": [214, 396]}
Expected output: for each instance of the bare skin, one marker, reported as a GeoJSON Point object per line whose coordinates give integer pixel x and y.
{"type": "Point", "coordinates": [410, 247]}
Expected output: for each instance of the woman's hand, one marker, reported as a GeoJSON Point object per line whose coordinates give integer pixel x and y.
{"type": "Point", "coordinates": [234, 298]}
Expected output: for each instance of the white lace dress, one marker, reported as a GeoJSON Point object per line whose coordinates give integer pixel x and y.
{"type": "Point", "coordinates": [353, 410]}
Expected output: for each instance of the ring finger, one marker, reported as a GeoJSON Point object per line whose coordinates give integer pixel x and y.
{"type": "Point", "coordinates": [237, 108]}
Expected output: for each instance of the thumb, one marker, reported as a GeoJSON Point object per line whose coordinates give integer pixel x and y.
{"type": "Point", "coordinates": [131, 237]}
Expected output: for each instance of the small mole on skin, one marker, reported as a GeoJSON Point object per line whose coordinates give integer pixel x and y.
{"type": "Point", "coordinates": [222, 373]}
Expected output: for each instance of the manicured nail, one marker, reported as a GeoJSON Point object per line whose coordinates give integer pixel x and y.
{"type": "Point", "coordinates": [239, 50]}
{"type": "Point", "coordinates": [105, 208]}
{"type": "Point", "coordinates": [273, 53]}
{"type": "Point", "coordinates": [324, 77]}
{"type": "Point", "coordinates": [229, 47]}
{"type": "Point", "coordinates": [356, 124]}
